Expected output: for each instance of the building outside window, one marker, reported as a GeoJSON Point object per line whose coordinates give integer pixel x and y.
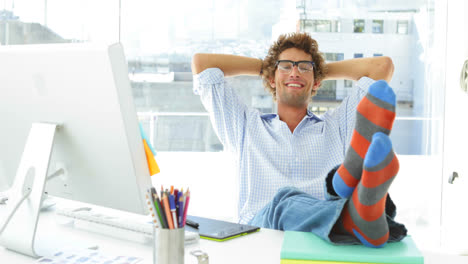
{"type": "Point", "coordinates": [402, 27]}
{"type": "Point", "coordinates": [327, 91]}
{"type": "Point", "coordinates": [378, 54]}
{"type": "Point", "coordinates": [320, 110]}
{"type": "Point", "coordinates": [348, 83]}
{"type": "Point", "coordinates": [334, 56]}
{"type": "Point", "coordinates": [312, 25]}
{"type": "Point", "coordinates": [159, 67]}
{"type": "Point", "coordinates": [377, 26]}
{"type": "Point", "coordinates": [359, 25]}
{"type": "Point", "coordinates": [358, 55]}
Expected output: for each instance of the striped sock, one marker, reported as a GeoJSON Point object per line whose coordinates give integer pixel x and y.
{"type": "Point", "coordinates": [375, 113]}
{"type": "Point", "coordinates": [364, 215]}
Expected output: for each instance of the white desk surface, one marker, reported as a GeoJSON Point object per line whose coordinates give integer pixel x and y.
{"type": "Point", "coordinates": [260, 247]}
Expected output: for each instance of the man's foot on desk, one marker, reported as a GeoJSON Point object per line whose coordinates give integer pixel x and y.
{"type": "Point", "coordinates": [375, 113]}
{"type": "Point", "coordinates": [364, 215]}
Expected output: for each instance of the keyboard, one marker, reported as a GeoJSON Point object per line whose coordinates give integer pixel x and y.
{"type": "Point", "coordinates": [126, 226]}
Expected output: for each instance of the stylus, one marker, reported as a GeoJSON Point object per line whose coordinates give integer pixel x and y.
{"type": "Point", "coordinates": [191, 223]}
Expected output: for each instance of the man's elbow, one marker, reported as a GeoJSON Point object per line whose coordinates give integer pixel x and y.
{"type": "Point", "coordinates": [197, 63]}
{"type": "Point", "coordinates": [384, 69]}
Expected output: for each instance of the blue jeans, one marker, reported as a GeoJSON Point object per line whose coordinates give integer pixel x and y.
{"type": "Point", "coordinates": [294, 210]}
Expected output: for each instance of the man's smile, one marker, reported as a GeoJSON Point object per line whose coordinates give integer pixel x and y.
{"type": "Point", "coordinates": [294, 85]}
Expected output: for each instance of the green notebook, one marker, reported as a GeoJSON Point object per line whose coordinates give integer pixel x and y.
{"type": "Point", "coordinates": [305, 247]}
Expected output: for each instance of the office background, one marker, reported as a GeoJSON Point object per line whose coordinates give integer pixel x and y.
{"type": "Point", "coordinates": [160, 38]}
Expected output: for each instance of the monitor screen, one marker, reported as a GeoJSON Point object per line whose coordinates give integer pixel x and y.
{"type": "Point", "coordinates": [85, 90]}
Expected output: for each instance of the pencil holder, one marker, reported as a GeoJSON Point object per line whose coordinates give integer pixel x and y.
{"type": "Point", "coordinates": [168, 246]}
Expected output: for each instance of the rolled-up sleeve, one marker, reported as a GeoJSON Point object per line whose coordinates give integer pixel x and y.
{"type": "Point", "coordinates": [226, 109]}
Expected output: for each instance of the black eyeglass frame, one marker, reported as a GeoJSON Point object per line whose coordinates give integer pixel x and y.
{"type": "Point", "coordinates": [295, 63]}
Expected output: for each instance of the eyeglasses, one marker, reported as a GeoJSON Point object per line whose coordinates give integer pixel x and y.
{"type": "Point", "coordinates": [286, 66]}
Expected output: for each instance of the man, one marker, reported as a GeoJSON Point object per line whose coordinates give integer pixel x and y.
{"type": "Point", "coordinates": [284, 158]}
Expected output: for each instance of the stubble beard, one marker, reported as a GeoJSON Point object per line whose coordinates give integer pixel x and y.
{"type": "Point", "coordinates": [294, 100]}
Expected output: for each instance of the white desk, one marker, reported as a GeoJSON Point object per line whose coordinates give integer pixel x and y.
{"type": "Point", "coordinates": [260, 247]}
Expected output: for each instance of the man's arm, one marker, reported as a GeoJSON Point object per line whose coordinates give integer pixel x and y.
{"type": "Point", "coordinates": [376, 68]}
{"type": "Point", "coordinates": [231, 65]}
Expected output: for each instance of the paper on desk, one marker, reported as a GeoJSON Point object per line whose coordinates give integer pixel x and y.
{"type": "Point", "coordinates": [87, 256]}
{"type": "Point", "coordinates": [152, 165]}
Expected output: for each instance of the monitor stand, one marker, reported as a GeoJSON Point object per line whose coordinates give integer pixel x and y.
{"type": "Point", "coordinates": [19, 217]}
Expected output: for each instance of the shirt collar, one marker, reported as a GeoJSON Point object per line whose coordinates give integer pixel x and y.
{"type": "Point", "coordinates": [312, 116]}
{"type": "Point", "coordinates": [269, 116]}
{"type": "Point", "coordinates": [309, 115]}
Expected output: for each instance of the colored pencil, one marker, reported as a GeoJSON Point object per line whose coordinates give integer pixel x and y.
{"type": "Point", "coordinates": [167, 210]}
{"type": "Point", "coordinates": [187, 199]}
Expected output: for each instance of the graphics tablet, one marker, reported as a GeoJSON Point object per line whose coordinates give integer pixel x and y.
{"type": "Point", "coordinates": [219, 230]}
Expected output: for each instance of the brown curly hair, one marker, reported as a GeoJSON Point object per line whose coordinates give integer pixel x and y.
{"type": "Point", "coordinates": [302, 41]}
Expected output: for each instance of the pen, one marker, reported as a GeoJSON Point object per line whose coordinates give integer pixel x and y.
{"type": "Point", "coordinates": [173, 209]}
{"type": "Point", "coordinates": [181, 208]}
{"type": "Point", "coordinates": [159, 210]}
{"type": "Point", "coordinates": [168, 212]}
{"type": "Point", "coordinates": [176, 199]}
{"type": "Point", "coordinates": [187, 199]}
{"type": "Point", "coordinates": [151, 209]}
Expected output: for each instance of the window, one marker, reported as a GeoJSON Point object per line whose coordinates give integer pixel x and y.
{"type": "Point", "coordinates": [320, 110]}
{"type": "Point", "coordinates": [327, 91]}
{"type": "Point", "coordinates": [377, 26]}
{"type": "Point", "coordinates": [25, 22]}
{"type": "Point", "coordinates": [402, 27]}
{"type": "Point", "coordinates": [181, 32]}
{"type": "Point", "coordinates": [359, 25]}
{"type": "Point", "coordinates": [358, 55]}
{"type": "Point", "coordinates": [320, 25]}
{"type": "Point", "coordinates": [348, 83]}
{"type": "Point", "coordinates": [334, 56]}
{"type": "Point", "coordinates": [159, 67]}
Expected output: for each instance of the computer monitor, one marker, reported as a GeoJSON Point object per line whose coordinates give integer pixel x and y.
{"type": "Point", "coordinates": [97, 149]}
